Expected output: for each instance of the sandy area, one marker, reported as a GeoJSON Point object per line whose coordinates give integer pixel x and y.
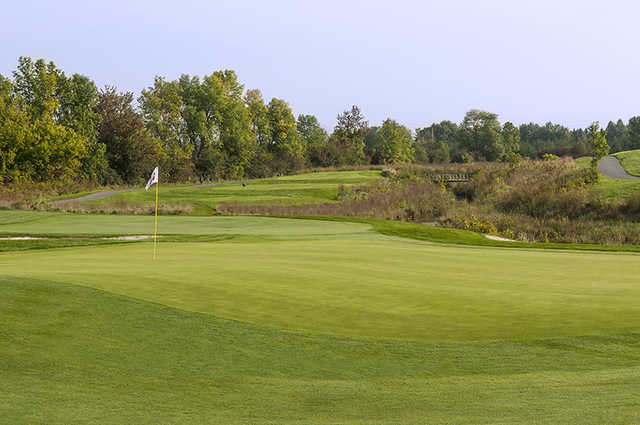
{"type": "Point", "coordinates": [131, 238]}
{"type": "Point", "coordinates": [498, 238]}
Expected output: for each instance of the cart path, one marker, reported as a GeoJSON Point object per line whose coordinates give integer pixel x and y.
{"type": "Point", "coordinates": [611, 167]}
{"type": "Point", "coordinates": [107, 193]}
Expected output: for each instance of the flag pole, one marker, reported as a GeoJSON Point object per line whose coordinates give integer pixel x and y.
{"type": "Point", "coordinates": [155, 226]}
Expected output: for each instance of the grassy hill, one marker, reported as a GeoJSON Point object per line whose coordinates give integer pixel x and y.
{"type": "Point", "coordinates": [630, 160]}
{"type": "Point", "coordinates": [289, 190]}
{"type": "Point", "coordinates": [612, 189]}
{"type": "Point", "coordinates": [272, 320]}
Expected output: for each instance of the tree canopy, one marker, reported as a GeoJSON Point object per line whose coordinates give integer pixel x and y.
{"type": "Point", "coordinates": [56, 126]}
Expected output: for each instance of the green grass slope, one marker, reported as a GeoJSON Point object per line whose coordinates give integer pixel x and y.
{"type": "Point", "coordinates": [290, 190]}
{"type": "Point", "coordinates": [292, 321]}
{"type": "Point", "coordinates": [352, 281]}
{"type": "Point", "coordinates": [630, 160]}
{"type": "Point", "coordinates": [612, 189]}
{"type": "Point", "coordinates": [184, 228]}
{"type": "Point", "coordinates": [70, 354]}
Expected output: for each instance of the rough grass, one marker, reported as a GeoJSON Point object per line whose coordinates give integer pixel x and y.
{"type": "Point", "coordinates": [630, 160]}
{"type": "Point", "coordinates": [542, 201]}
{"type": "Point", "coordinates": [52, 242]}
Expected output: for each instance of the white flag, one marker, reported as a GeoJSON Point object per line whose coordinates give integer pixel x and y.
{"type": "Point", "coordinates": [153, 179]}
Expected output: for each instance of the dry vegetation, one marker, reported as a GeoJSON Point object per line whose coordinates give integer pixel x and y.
{"type": "Point", "coordinates": [28, 195]}
{"type": "Point", "coordinates": [120, 207]}
{"type": "Point", "coordinates": [547, 201]}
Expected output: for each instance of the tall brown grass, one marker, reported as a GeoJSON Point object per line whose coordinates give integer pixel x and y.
{"type": "Point", "coordinates": [120, 207]}
{"type": "Point", "coordinates": [548, 201]}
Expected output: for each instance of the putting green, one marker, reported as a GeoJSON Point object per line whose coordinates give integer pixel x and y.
{"type": "Point", "coordinates": [363, 284]}
{"type": "Point", "coordinates": [70, 354]}
{"type": "Point", "coordinates": [287, 321]}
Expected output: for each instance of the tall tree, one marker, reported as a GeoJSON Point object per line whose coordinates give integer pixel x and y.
{"type": "Point", "coordinates": [443, 131]}
{"type": "Point", "coordinates": [481, 133]}
{"type": "Point", "coordinates": [205, 120]}
{"type": "Point", "coordinates": [510, 138]}
{"type": "Point", "coordinates": [43, 144]}
{"type": "Point", "coordinates": [434, 143]}
{"type": "Point", "coordinates": [348, 135]}
{"type": "Point", "coordinates": [599, 146]}
{"type": "Point", "coordinates": [394, 144]}
{"type": "Point", "coordinates": [634, 133]}
{"type": "Point", "coordinates": [130, 150]}
{"type": "Point", "coordinates": [232, 121]}
{"type": "Point", "coordinates": [536, 140]}
{"type": "Point", "coordinates": [78, 97]}
{"type": "Point", "coordinates": [14, 135]}
{"type": "Point", "coordinates": [285, 142]}
{"type": "Point", "coordinates": [35, 83]}
{"type": "Point", "coordinates": [257, 111]}
{"type": "Point", "coordinates": [622, 136]}
{"type": "Point", "coordinates": [310, 129]}
{"type": "Point", "coordinates": [162, 106]}
{"type": "Point", "coordinates": [318, 151]}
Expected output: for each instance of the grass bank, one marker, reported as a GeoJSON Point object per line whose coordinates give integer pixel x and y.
{"type": "Point", "coordinates": [630, 160]}
{"type": "Point", "coordinates": [287, 190]}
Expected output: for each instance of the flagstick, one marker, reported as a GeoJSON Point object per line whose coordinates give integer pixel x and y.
{"type": "Point", "coordinates": [155, 226]}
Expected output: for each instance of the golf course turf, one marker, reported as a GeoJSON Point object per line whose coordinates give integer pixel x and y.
{"type": "Point", "coordinates": [290, 190]}
{"type": "Point", "coordinates": [630, 161]}
{"type": "Point", "coordinates": [293, 321]}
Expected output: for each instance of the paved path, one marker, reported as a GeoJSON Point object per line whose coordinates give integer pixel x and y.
{"type": "Point", "coordinates": [611, 167]}
{"type": "Point", "coordinates": [107, 193]}
{"type": "Point", "coordinates": [91, 196]}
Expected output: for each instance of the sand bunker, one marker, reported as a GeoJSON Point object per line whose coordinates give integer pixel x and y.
{"type": "Point", "coordinates": [131, 238]}
{"type": "Point", "coordinates": [498, 238]}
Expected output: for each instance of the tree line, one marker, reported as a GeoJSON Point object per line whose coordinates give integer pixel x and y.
{"type": "Point", "coordinates": [59, 127]}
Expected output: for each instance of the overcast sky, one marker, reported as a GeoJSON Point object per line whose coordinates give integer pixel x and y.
{"type": "Point", "coordinates": [570, 62]}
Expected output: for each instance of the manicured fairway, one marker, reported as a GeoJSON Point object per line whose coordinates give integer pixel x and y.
{"type": "Point", "coordinates": [311, 322]}
{"type": "Point", "coordinates": [297, 189]}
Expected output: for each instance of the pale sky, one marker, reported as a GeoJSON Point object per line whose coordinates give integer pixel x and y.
{"type": "Point", "coordinates": [570, 62]}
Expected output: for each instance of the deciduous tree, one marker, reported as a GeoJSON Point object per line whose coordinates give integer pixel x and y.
{"type": "Point", "coordinates": [599, 146]}
{"type": "Point", "coordinates": [481, 133]}
{"type": "Point", "coordinates": [348, 135]}
{"type": "Point", "coordinates": [394, 144]}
